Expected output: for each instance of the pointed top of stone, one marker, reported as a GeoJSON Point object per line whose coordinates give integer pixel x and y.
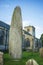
{"type": "Point", "coordinates": [17, 7]}
{"type": "Point", "coordinates": [17, 17]}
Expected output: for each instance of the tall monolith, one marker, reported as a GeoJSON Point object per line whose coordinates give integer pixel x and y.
{"type": "Point", "coordinates": [15, 34]}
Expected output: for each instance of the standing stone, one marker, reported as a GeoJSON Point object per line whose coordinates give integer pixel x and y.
{"type": "Point", "coordinates": [1, 58]}
{"type": "Point", "coordinates": [31, 62]}
{"type": "Point", "coordinates": [15, 36]}
{"type": "Point", "coordinates": [41, 52]}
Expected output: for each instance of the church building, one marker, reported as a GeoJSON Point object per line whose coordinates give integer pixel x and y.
{"type": "Point", "coordinates": [30, 42]}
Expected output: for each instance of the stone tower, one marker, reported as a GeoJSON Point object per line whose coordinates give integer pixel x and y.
{"type": "Point", "coordinates": [30, 29]}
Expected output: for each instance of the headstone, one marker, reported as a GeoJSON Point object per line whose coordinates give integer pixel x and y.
{"type": "Point", "coordinates": [41, 52]}
{"type": "Point", "coordinates": [15, 35]}
{"type": "Point", "coordinates": [31, 62]}
{"type": "Point", "coordinates": [1, 58]}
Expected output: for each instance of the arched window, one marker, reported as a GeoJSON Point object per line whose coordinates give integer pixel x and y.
{"type": "Point", "coordinates": [27, 42]}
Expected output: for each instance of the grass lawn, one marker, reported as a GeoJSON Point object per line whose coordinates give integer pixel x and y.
{"type": "Point", "coordinates": [25, 57]}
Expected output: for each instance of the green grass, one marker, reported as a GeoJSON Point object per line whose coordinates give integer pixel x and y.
{"type": "Point", "coordinates": [25, 57]}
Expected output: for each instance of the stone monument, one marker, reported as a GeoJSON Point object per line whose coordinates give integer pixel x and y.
{"type": "Point", "coordinates": [31, 62]}
{"type": "Point", "coordinates": [15, 34]}
{"type": "Point", "coordinates": [1, 58]}
{"type": "Point", "coordinates": [41, 52]}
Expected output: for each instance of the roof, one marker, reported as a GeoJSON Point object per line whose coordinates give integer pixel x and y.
{"type": "Point", "coordinates": [29, 26]}
{"type": "Point", "coordinates": [27, 32]}
{"type": "Point", "coordinates": [2, 24]}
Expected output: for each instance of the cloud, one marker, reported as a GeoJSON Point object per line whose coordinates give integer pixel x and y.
{"type": "Point", "coordinates": [26, 23]}
{"type": "Point", "coordinates": [38, 31]}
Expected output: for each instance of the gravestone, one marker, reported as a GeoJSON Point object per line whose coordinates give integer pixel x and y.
{"type": "Point", "coordinates": [15, 34]}
{"type": "Point", "coordinates": [1, 58]}
{"type": "Point", "coordinates": [31, 62]}
{"type": "Point", "coordinates": [41, 52]}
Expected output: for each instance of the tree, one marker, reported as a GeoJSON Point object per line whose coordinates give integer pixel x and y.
{"type": "Point", "coordinates": [41, 38]}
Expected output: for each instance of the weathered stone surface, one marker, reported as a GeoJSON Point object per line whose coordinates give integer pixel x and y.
{"type": "Point", "coordinates": [31, 62]}
{"type": "Point", "coordinates": [1, 58]}
{"type": "Point", "coordinates": [41, 52]}
{"type": "Point", "coordinates": [15, 35]}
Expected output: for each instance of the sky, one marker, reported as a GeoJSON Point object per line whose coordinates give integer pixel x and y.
{"type": "Point", "coordinates": [32, 13]}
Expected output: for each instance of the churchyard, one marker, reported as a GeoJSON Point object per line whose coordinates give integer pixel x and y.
{"type": "Point", "coordinates": [25, 56]}
{"type": "Point", "coordinates": [15, 55]}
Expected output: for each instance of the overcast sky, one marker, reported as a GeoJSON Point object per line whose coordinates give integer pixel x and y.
{"type": "Point", "coordinates": [32, 13]}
